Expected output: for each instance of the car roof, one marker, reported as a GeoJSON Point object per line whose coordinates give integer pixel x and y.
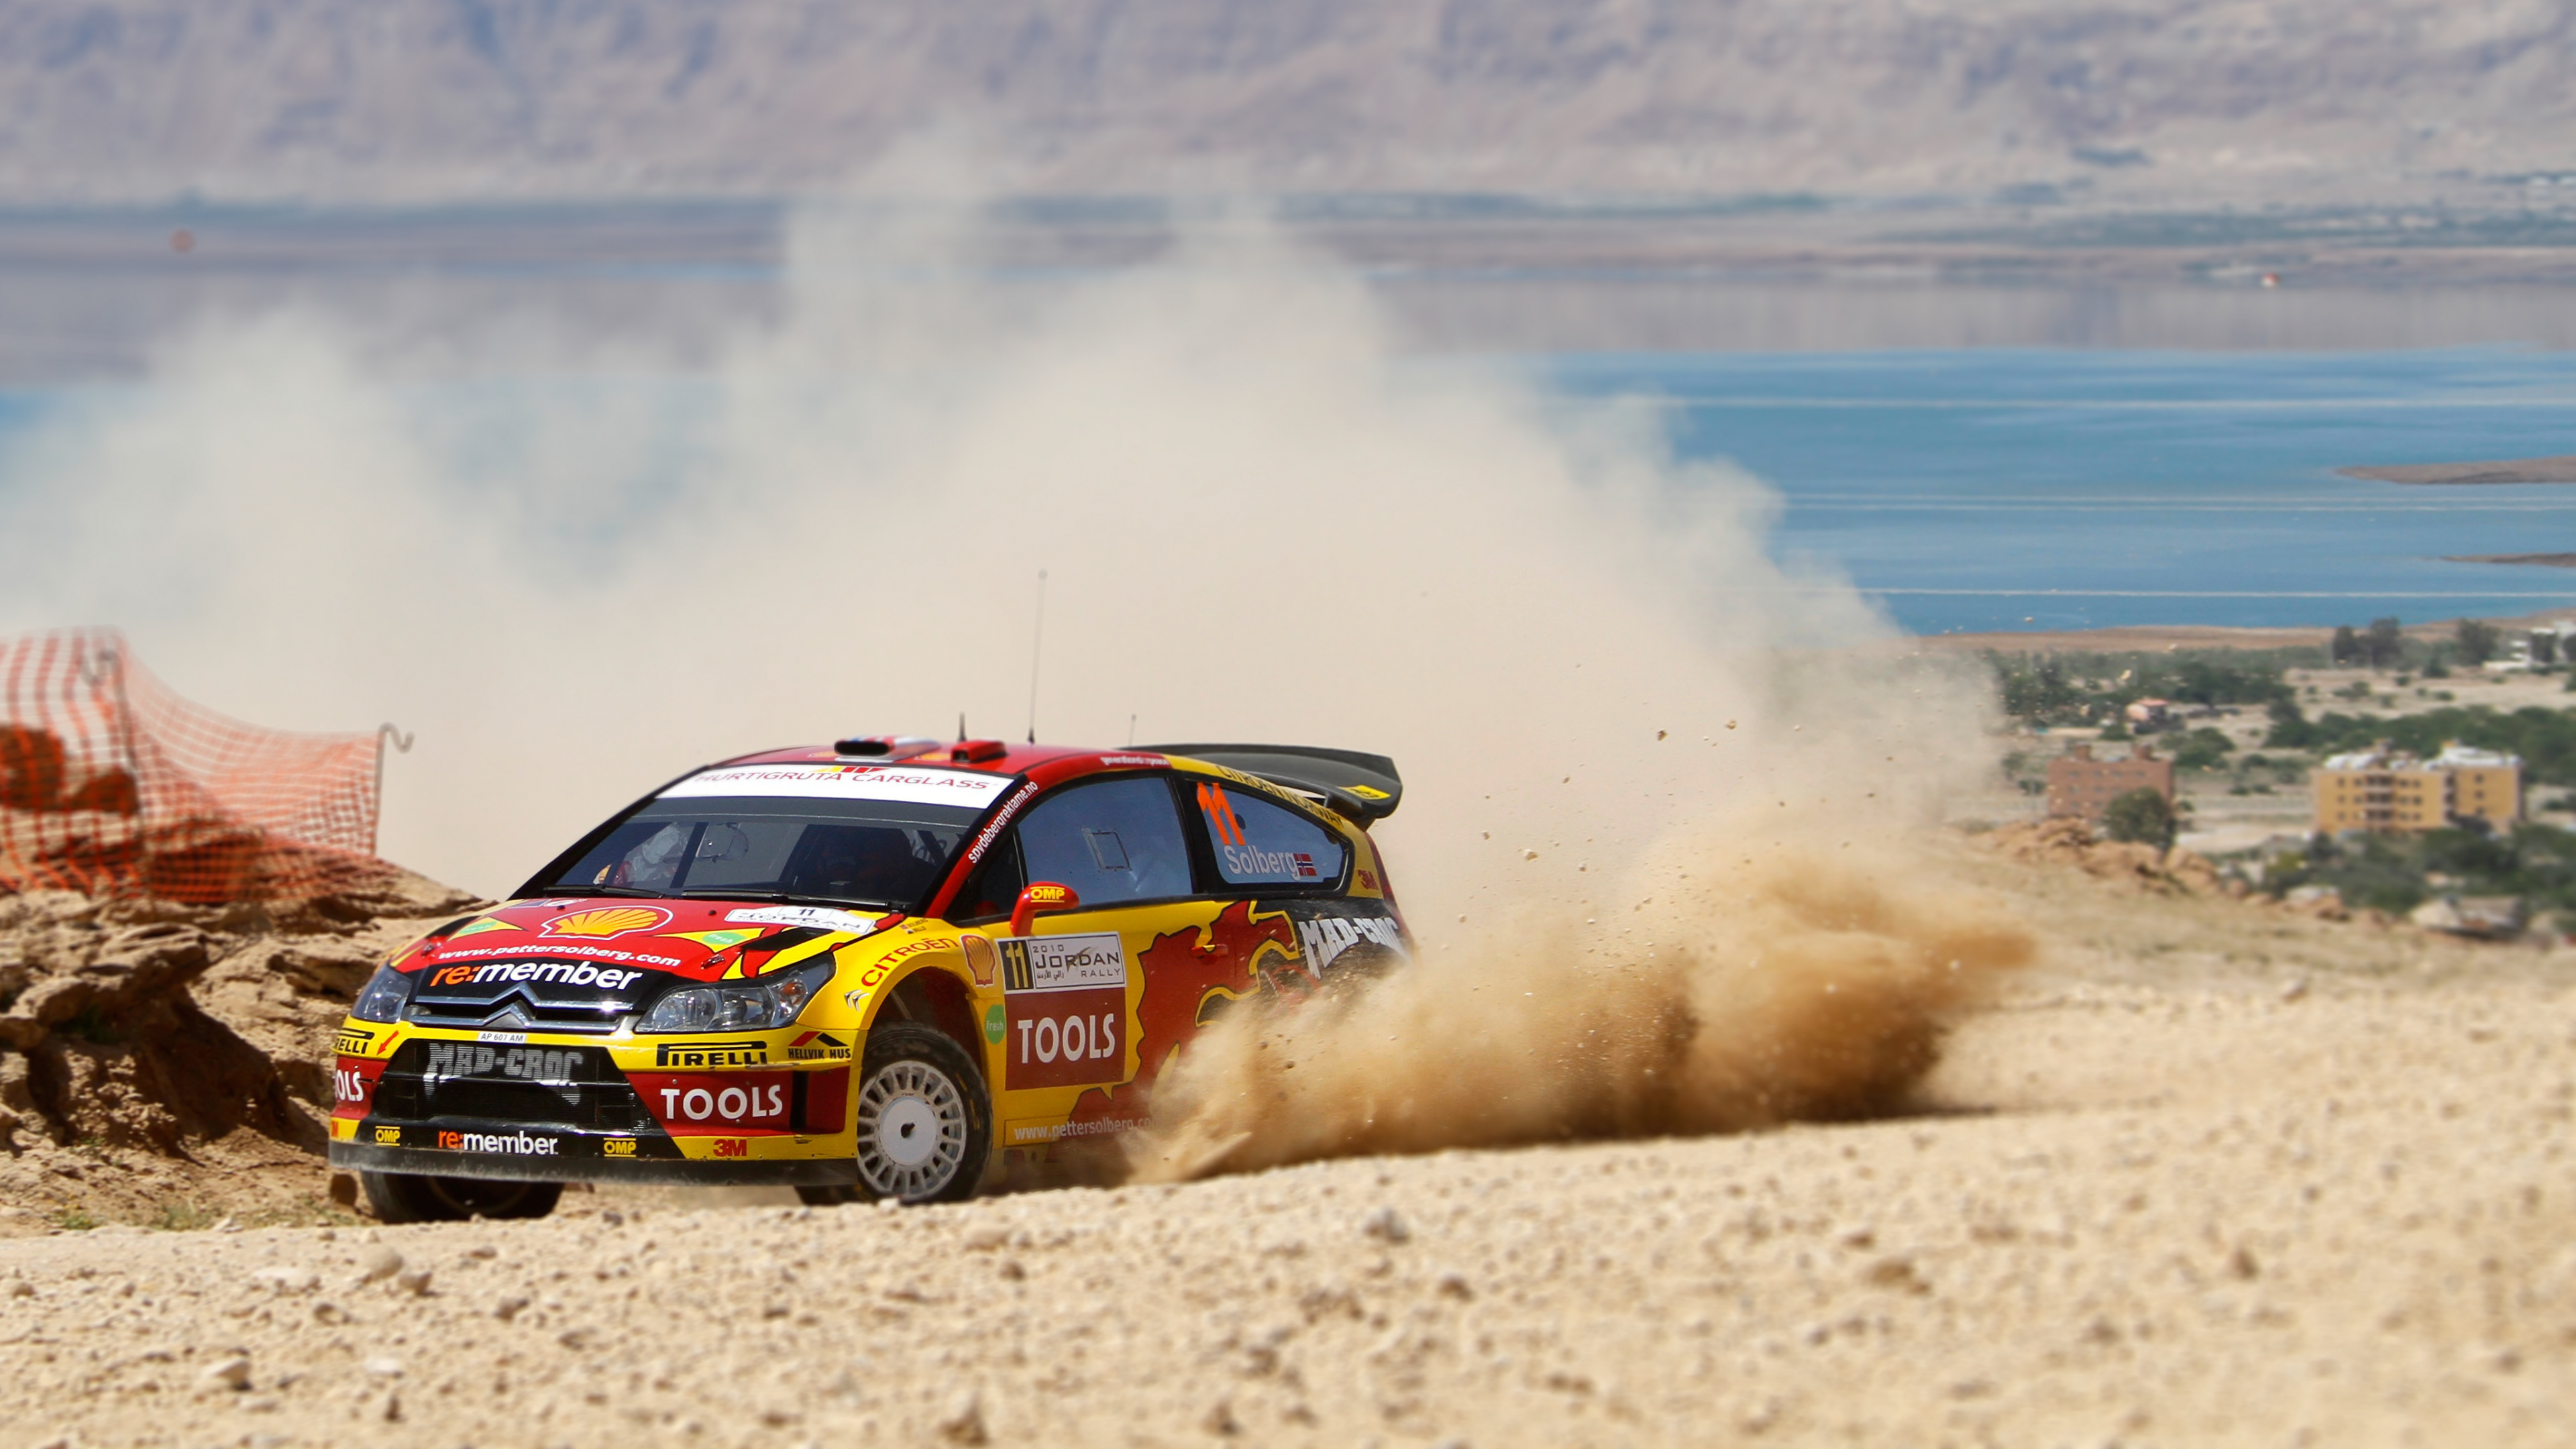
{"type": "Point", "coordinates": [991, 757]}
{"type": "Point", "coordinates": [1359, 787]}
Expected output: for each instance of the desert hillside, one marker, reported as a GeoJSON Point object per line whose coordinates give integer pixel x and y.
{"type": "Point", "coordinates": [2247, 99]}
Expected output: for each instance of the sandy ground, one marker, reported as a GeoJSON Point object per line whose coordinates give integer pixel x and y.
{"type": "Point", "coordinates": [2213, 1174]}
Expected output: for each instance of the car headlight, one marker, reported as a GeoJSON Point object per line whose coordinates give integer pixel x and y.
{"type": "Point", "coordinates": [738, 1005]}
{"type": "Point", "coordinates": [382, 998]}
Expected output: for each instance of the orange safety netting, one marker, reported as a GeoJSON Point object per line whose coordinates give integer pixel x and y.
{"type": "Point", "coordinates": [112, 784]}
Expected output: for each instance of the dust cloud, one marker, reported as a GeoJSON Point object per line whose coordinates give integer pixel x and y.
{"type": "Point", "coordinates": [575, 566]}
{"type": "Point", "coordinates": [1722, 988]}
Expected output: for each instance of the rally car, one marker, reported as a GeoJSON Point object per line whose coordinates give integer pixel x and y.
{"type": "Point", "coordinates": [866, 971]}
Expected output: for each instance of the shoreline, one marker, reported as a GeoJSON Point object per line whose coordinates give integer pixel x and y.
{"type": "Point", "coordinates": [2173, 638]}
{"type": "Point", "coordinates": [2509, 471]}
{"type": "Point", "coordinates": [2531, 560]}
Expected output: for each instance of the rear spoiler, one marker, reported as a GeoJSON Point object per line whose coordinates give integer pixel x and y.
{"type": "Point", "coordinates": [1359, 787]}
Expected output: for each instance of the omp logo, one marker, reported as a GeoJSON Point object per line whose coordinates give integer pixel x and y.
{"type": "Point", "coordinates": [608, 921]}
{"type": "Point", "coordinates": [617, 1147]}
{"type": "Point", "coordinates": [711, 1054]}
{"type": "Point", "coordinates": [389, 1137]}
{"type": "Point", "coordinates": [817, 1046]}
{"type": "Point", "coordinates": [514, 1144]}
{"type": "Point", "coordinates": [351, 1043]}
{"type": "Point", "coordinates": [1220, 814]}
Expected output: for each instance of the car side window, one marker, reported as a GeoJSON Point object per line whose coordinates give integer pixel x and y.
{"type": "Point", "coordinates": [1116, 841]}
{"type": "Point", "coordinates": [1261, 843]}
{"type": "Point", "coordinates": [995, 886]}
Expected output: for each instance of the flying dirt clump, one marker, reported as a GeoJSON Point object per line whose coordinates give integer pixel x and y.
{"type": "Point", "coordinates": [1727, 989]}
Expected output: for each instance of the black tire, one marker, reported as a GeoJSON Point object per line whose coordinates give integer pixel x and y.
{"type": "Point", "coordinates": [925, 1122]}
{"type": "Point", "coordinates": [401, 1197]}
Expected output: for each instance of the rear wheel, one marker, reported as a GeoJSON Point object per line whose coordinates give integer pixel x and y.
{"type": "Point", "coordinates": [402, 1197]}
{"type": "Point", "coordinates": [925, 1123]}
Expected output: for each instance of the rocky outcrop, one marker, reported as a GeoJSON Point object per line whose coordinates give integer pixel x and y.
{"type": "Point", "coordinates": [151, 1052]}
{"type": "Point", "coordinates": [2065, 840]}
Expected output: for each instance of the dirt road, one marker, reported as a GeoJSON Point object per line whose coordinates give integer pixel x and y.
{"type": "Point", "coordinates": [2336, 1211]}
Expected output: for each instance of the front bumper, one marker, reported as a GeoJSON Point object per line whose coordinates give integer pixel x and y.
{"type": "Point", "coordinates": [591, 1166]}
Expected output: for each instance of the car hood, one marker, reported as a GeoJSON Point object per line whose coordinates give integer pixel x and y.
{"type": "Point", "coordinates": [637, 940]}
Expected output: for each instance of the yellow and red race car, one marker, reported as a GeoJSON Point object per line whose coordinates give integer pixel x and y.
{"type": "Point", "coordinates": [863, 971]}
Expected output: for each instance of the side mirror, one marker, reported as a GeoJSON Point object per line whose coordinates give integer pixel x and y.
{"type": "Point", "coordinates": [1043, 895]}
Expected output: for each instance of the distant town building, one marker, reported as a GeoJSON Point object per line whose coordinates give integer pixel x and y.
{"type": "Point", "coordinates": [2148, 714]}
{"type": "Point", "coordinates": [2385, 789]}
{"type": "Point", "coordinates": [2534, 650]}
{"type": "Point", "coordinates": [2081, 785]}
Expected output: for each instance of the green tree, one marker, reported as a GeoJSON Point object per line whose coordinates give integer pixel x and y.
{"type": "Point", "coordinates": [2347, 645]}
{"type": "Point", "coordinates": [2202, 749]}
{"type": "Point", "coordinates": [2478, 641]}
{"type": "Point", "coordinates": [2291, 730]}
{"type": "Point", "coordinates": [2385, 644]}
{"type": "Point", "coordinates": [2143, 816]}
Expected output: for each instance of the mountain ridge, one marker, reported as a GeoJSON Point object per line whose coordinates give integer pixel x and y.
{"type": "Point", "coordinates": [127, 100]}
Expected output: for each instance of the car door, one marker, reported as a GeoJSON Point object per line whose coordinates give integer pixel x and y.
{"type": "Point", "coordinates": [1071, 986]}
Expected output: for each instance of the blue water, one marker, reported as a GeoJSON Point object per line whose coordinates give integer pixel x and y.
{"type": "Point", "coordinates": [2028, 489]}
{"type": "Point", "coordinates": [1992, 489]}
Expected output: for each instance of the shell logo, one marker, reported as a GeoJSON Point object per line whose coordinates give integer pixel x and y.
{"type": "Point", "coordinates": [608, 921]}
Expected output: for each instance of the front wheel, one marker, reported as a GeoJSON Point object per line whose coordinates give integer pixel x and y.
{"type": "Point", "coordinates": [925, 1123]}
{"type": "Point", "coordinates": [402, 1197]}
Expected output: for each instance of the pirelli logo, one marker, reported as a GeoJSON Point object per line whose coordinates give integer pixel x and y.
{"type": "Point", "coordinates": [711, 1054]}
{"type": "Point", "coordinates": [350, 1043]}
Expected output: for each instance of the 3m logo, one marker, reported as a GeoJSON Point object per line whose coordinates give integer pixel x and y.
{"type": "Point", "coordinates": [389, 1137]}
{"type": "Point", "coordinates": [731, 1147]}
{"type": "Point", "coordinates": [1220, 814]}
{"type": "Point", "coordinates": [617, 1147]}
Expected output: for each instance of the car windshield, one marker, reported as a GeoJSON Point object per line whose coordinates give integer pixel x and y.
{"type": "Point", "coordinates": [856, 852]}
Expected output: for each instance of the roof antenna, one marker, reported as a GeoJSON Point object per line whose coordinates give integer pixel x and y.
{"type": "Point", "coordinates": [961, 726]}
{"type": "Point", "coordinates": [1037, 642]}
{"type": "Point", "coordinates": [1131, 731]}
